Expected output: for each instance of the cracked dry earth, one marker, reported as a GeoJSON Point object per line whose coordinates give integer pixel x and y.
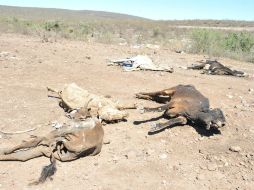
{"type": "Point", "coordinates": [177, 158]}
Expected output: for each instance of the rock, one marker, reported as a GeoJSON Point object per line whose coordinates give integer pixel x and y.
{"type": "Point", "coordinates": [131, 155]}
{"type": "Point", "coordinates": [235, 149]}
{"type": "Point", "coordinates": [250, 90]}
{"type": "Point", "coordinates": [85, 177]}
{"type": "Point", "coordinates": [163, 156]}
{"type": "Point", "coordinates": [224, 161]}
{"type": "Point", "coordinates": [245, 178]}
{"type": "Point", "coordinates": [212, 167]}
{"type": "Point", "coordinates": [242, 164]}
{"type": "Point", "coordinates": [106, 141]}
{"type": "Point", "coordinates": [203, 167]}
{"type": "Point", "coordinates": [164, 182]}
{"type": "Point", "coordinates": [115, 159]}
{"type": "Point", "coordinates": [229, 96]}
{"type": "Point", "coordinates": [200, 177]}
{"type": "Point", "coordinates": [149, 152]}
{"type": "Point", "coordinates": [56, 124]}
{"type": "Point", "coordinates": [252, 130]}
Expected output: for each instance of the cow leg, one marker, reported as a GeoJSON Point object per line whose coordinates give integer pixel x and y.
{"type": "Point", "coordinates": [23, 145]}
{"type": "Point", "coordinates": [126, 106]}
{"type": "Point", "coordinates": [159, 96]}
{"type": "Point", "coordinates": [26, 154]}
{"type": "Point", "coordinates": [197, 67]}
{"type": "Point", "coordinates": [148, 95]}
{"type": "Point", "coordinates": [110, 114]}
{"type": "Point", "coordinates": [174, 121]}
{"type": "Point", "coordinates": [158, 109]}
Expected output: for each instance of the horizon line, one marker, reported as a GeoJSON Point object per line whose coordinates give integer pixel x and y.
{"type": "Point", "coordinates": [163, 20]}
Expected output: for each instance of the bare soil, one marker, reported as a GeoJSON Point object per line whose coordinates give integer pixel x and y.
{"type": "Point", "coordinates": [178, 158]}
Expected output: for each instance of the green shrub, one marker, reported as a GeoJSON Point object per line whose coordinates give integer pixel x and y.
{"type": "Point", "coordinates": [52, 26]}
{"type": "Point", "coordinates": [237, 45]}
{"type": "Point", "coordinates": [242, 42]}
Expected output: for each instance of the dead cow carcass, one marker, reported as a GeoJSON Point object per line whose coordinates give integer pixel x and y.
{"type": "Point", "coordinates": [184, 103]}
{"type": "Point", "coordinates": [67, 143]}
{"type": "Point", "coordinates": [140, 62]}
{"type": "Point", "coordinates": [80, 103]}
{"type": "Point", "coordinates": [213, 67]}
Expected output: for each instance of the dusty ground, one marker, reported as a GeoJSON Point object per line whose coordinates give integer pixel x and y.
{"type": "Point", "coordinates": [177, 158]}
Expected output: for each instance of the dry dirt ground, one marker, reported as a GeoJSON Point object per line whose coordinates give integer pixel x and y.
{"type": "Point", "coordinates": [177, 158]}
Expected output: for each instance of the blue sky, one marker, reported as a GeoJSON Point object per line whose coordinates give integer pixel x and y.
{"type": "Point", "coordinates": [154, 9]}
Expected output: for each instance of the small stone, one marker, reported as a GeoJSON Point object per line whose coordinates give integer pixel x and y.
{"type": "Point", "coordinates": [235, 149]}
{"type": "Point", "coordinates": [107, 141]}
{"type": "Point", "coordinates": [149, 152]}
{"type": "Point", "coordinates": [115, 159]}
{"type": "Point", "coordinates": [245, 178]}
{"type": "Point", "coordinates": [250, 90]}
{"type": "Point", "coordinates": [229, 96]}
{"type": "Point", "coordinates": [164, 182]}
{"type": "Point", "coordinates": [200, 177]}
{"type": "Point", "coordinates": [252, 130]}
{"type": "Point", "coordinates": [131, 155]}
{"type": "Point", "coordinates": [212, 167]}
{"type": "Point", "coordinates": [163, 156]}
{"type": "Point", "coordinates": [85, 177]}
{"type": "Point", "coordinates": [56, 124]}
{"type": "Point", "coordinates": [203, 167]}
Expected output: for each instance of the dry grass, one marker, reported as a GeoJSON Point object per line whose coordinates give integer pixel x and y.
{"type": "Point", "coordinates": [111, 28]}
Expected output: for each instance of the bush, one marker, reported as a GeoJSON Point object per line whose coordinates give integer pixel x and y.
{"type": "Point", "coordinates": [239, 42]}
{"type": "Point", "coordinates": [52, 26]}
{"type": "Point", "coordinates": [237, 45]}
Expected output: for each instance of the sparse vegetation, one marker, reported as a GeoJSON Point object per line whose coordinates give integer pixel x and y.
{"type": "Point", "coordinates": [237, 45]}
{"type": "Point", "coordinates": [135, 31]}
